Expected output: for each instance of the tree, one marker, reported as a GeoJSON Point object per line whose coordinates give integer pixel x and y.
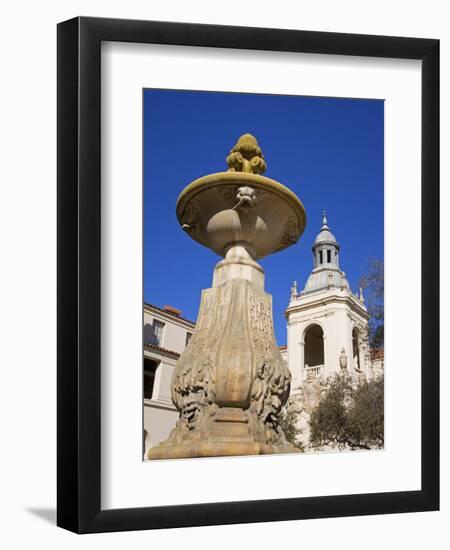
{"type": "Point", "coordinates": [289, 423]}
{"type": "Point", "coordinates": [366, 414]}
{"type": "Point", "coordinates": [350, 415]}
{"type": "Point", "coordinates": [373, 285]}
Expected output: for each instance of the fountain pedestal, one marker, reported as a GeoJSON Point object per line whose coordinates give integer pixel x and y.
{"type": "Point", "coordinates": [230, 383]}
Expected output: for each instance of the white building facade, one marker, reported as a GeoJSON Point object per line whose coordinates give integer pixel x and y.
{"type": "Point", "coordinates": [166, 334]}
{"type": "Point", "coordinates": [327, 324]}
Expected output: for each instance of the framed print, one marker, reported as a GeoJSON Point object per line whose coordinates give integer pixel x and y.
{"type": "Point", "coordinates": [237, 210]}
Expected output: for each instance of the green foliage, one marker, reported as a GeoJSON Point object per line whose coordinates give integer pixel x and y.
{"type": "Point", "coordinates": [289, 424]}
{"type": "Point", "coordinates": [373, 285]}
{"type": "Point", "coordinates": [366, 414]}
{"type": "Point", "coordinates": [349, 415]}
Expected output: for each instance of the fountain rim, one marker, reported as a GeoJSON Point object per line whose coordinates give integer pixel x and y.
{"type": "Point", "coordinates": [219, 178]}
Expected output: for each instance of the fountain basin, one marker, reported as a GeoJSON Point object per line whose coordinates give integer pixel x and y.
{"type": "Point", "coordinates": [266, 218]}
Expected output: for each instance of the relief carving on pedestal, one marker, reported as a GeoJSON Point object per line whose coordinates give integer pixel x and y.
{"type": "Point", "coordinates": [193, 383]}
{"type": "Point", "coordinates": [193, 395]}
{"type": "Point", "coordinates": [271, 383]}
{"type": "Point", "coordinates": [194, 380]}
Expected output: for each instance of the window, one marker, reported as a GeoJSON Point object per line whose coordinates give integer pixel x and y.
{"type": "Point", "coordinates": [314, 346]}
{"type": "Point", "coordinates": [329, 256]}
{"type": "Point", "coordinates": [320, 256]}
{"type": "Point", "coordinates": [355, 346]}
{"type": "Point", "coordinates": [150, 367]}
{"type": "Point", "coordinates": [188, 337]}
{"type": "Point", "coordinates": [158, 332]}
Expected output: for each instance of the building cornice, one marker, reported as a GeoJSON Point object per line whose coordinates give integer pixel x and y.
{"type": "Point", "coordinates": [311, 302]}
{"type": "Point", "coordinates": [156, 404]}
{"type": "Point", "coordinates": [163, 351]}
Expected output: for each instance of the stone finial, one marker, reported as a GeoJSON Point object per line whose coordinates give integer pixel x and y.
{"type": "Point", "coordinates": [361, 295]}
{"type": "Point", "coordinates": [324, 220]}
{"type": "Point", "coordinates": [343, 359]}
{"type": "Point", "coordinates": [246, 156]}
{"type": "Point", "coordinates": [294, 290]}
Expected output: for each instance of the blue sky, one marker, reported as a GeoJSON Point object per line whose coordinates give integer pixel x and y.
{"type": "Point", "coordinates": [329, 151]}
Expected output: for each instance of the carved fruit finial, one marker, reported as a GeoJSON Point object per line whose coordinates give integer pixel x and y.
{"type": "Point", "coordinates": [246, 156]}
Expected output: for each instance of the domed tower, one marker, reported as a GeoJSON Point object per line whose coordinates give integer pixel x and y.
{"type": "Point", "coordinates": [325, 260]}
{"type": "Point", "coordinates": [327, 322]}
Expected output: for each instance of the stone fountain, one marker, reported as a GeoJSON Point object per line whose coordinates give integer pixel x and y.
{"type": "Point", "coordinates": [230, 383]}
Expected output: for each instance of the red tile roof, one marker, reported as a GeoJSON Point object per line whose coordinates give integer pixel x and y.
{"type": "Point", "coordinates": [174, 310]}
{"type": "Point", "coordinates": [162, 350]}
{"type": "Point", "coordinates": [376, 354]}
{"type": "Point", "coordinates": [169, 312]}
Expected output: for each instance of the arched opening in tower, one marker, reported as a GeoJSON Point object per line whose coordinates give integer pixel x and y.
{"type": "Point", "coordinates": [314, 350]}
{"type": "Point", "coordinates": [355, 345]}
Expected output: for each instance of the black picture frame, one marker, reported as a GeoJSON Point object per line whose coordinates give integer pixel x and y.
{"type": "Point", "coordinates": [79, 275]}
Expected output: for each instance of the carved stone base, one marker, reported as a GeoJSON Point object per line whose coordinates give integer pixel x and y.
{"type": "Point", "coordinates": [230, 383]}
{"type": "Point", "coordinates": [230, 435]}
{"type": "Point", "coordinates": [203, 449]}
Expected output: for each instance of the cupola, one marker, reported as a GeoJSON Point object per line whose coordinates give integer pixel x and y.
{"type": "Point", "coordinates": [325, 248]}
